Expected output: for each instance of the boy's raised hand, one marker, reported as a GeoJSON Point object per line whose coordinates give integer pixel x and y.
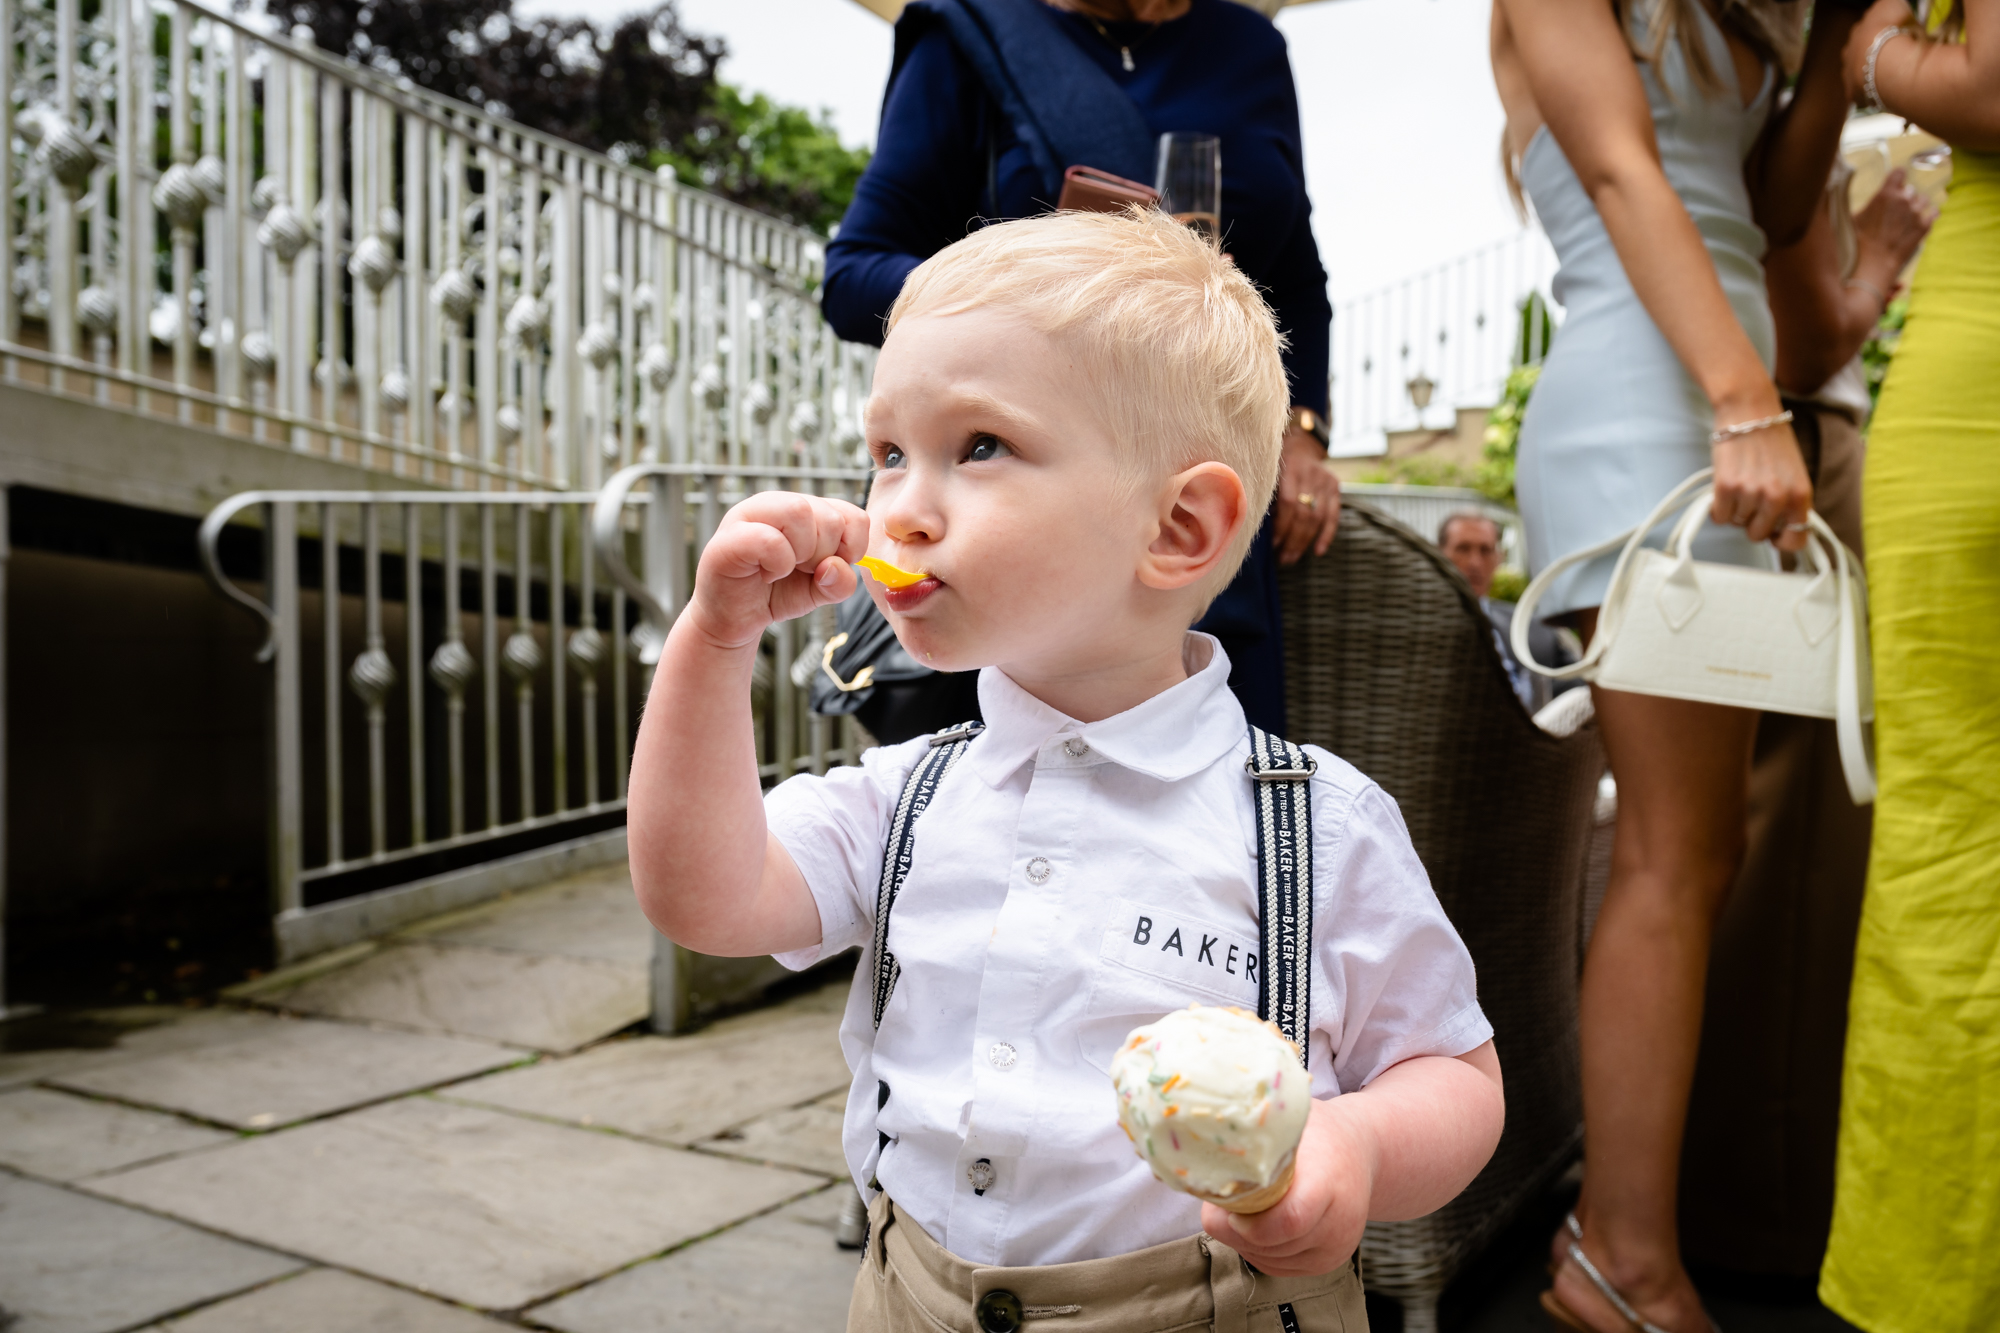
{"type": "Point", "coordinates": [1318, 1224]}
{"type": "Point", "coordinates": [775, 556]}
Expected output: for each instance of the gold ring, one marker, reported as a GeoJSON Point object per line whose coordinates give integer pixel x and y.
{"type": "Point", "coordinates": [1309, 501]}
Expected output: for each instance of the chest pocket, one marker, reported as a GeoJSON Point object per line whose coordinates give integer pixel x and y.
{"type": "Point", "coordinates": [1156, 960]}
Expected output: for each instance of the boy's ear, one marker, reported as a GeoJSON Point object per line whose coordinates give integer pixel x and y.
{"type": "Point", "coordinates": [1201, 511]}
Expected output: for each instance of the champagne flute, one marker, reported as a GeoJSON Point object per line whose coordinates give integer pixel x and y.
{"type": "Point", "coordinates": [1190, 180]}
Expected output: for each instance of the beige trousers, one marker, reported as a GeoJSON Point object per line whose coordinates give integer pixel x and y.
{"type": "Point", "coordinates": [910, 1284]}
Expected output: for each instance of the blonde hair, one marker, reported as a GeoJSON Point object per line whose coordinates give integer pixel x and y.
{"type": "Point", "coordinates": [1774, 29]}
{"type": "Point", "coordinates": [1181, 349]}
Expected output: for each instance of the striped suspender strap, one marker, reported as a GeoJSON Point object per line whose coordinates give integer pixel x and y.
{"type": "Point", "coordinates": [918, 788]}
{"type": "Point", "coordinates": [1282, 775]}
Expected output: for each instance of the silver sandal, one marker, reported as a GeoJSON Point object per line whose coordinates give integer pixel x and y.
{"type": "Point", "coordinates": [1604, 1287]}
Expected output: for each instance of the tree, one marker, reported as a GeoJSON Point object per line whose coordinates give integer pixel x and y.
{"type": "Point", "coordinates": [644, 90]}
{"type": "Point", "coordinates": [778, 158]}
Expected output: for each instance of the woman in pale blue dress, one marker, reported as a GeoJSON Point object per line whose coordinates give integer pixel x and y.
{"type": "Point", "coordinates": [1645, 135]}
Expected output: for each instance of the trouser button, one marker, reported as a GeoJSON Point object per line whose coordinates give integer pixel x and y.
{"type": "Point", "coordinates": [999, 1312]}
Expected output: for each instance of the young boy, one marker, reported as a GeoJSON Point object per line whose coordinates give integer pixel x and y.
{"type": "Point", "coordinates": [1076, 423]}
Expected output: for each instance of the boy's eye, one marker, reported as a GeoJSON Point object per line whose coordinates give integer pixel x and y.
{"type": "Point", "coordinates": [986, 448]}
{"type": "Point", "coordinates": [892, 457]}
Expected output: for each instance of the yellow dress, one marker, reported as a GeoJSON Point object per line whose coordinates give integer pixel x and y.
{"type": "Point", "coordinates": [1916, 1228]}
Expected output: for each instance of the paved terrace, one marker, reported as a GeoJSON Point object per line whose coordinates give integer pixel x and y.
{"type": "Point", "coordinates": [450, 1131]}
{"type": "Point", "coordinates": [457, 1130]}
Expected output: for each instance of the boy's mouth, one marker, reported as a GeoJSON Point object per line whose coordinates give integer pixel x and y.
{"type": "Point", "coordinates": [908, 599]}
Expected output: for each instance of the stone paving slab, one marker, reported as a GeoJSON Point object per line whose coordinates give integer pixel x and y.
{"type": "Point", "coordinates": [70, 1264]}
{"type": "Point", "coordinates": [482, 1208]}
{"type": "Point", "coordinates": [592, 915]}
{"type": "Point", "coordinates": [288, 1069]}
{"type": "Point", "coordinates": [46, 1046]}
{"type": "Point", "coordinates": [325, 1300]}
{"type": "Point", "coordinates": [680, 1089]}
{"type": "Point", "coordinates": [780, 1273]}
{"type": "Point", "coordinates": [544, 1001]}
{"type": "Point", "coordinates": [60, 1137]}
{"type": "Point", "coordinates": [803, 1136]}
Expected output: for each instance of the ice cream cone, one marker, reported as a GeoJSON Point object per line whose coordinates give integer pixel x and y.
{"type": "Point", "coordinates": [1256, 1200]}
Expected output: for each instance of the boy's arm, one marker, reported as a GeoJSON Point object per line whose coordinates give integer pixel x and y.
{"type": "Point", "coordinates": [1401, 1147]}
{"type": "Point", "coordinates": [707, 871]}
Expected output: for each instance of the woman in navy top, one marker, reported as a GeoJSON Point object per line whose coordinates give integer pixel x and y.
{"type": "Point", "coordinates": [989, 100]}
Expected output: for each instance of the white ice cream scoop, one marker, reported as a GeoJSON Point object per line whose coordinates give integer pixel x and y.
{"type": "Point", "coordinates": [1215, 1100]}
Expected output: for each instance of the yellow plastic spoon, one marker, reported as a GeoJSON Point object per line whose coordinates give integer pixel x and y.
{"type": "Point", "coordinates": [888, 575]}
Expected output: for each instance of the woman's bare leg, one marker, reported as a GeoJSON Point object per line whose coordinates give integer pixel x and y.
{"type": "Point", "coordinates": [1683, 770]}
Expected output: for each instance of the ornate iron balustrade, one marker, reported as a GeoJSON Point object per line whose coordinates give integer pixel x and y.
{"type": "Point", "coordinates": [1423, 509]}
{"type": "Point", "coordinates": [1456, 326]}
{"type": "Point", "coordinates": [479, 658]}
{"type": "Point", "coordinates": [252, 236]}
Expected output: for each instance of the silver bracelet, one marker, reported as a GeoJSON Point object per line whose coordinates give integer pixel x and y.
{"type": "Point", "coordinates": [1882, 39]}
{"type": "Point", "coordinates": [1881, 296]}
{"type": "Point", "coordinates": [1741, 428]}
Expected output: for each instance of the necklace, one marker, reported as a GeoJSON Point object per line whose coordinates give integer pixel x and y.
{"type": "Point", "coordinates": [1124, 49]}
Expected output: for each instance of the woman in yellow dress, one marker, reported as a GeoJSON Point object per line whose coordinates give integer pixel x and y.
{"type": "Point", "coordinates": [1916, 1228]}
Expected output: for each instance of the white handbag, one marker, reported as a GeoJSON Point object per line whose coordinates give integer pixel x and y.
{"type": "Point", "coordinates": [1725, 634]}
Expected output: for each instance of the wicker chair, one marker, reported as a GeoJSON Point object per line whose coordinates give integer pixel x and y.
{"type": "Point", "coordinates": [1390, 665]}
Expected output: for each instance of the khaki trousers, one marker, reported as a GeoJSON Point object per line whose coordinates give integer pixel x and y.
{"type": "Point", "coordinates": [910, 1284]}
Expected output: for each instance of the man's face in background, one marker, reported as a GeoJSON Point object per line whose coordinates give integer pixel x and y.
{"type": "Point", "coordinates": [1473, 544]}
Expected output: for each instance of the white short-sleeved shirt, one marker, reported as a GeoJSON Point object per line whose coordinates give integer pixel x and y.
{"type": "Point", "coordinates": [1072, 881]}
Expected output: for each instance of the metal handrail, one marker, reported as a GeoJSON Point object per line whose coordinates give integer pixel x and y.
{"type": "Point", "coordinates": [520, 311]}
{"type": "Point", "coordinates": [1453, 325]}
{"type": "Point", "coordinates": [488, 547]}
{"type": "Point", "coordinates": [607, 528]}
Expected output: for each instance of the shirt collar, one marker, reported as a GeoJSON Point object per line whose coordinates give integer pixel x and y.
{"type": "Point", "coordinates": [1173, 735]}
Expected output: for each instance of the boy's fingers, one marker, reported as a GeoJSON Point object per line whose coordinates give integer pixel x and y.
{"type": "Point", "coordinates": [854, 532]}
{"type": "Point", "coordinates": [812, 527]}
{"type": "Point", "coordinates": [836, 523]}
{"type": "Point", "coordinates": [750, 551]}
{"type": "Point", "coordinates": [834, 581]}
{"type": "Point", "coordinates": [1280, 1230]}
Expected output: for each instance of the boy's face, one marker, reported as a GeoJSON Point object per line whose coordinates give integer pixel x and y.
{"type": "Point", "coordinates": [995, 477]}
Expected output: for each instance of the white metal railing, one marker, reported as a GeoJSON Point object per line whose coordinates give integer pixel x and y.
{"type": "Point", "coordinates": [249, 235]}
{"type": "Point", "coordinates": [483, 657]}
{"type": "Point", "coordinates": [1457, 326]}
{"type": "Point", "coordinates": [1423, 510]}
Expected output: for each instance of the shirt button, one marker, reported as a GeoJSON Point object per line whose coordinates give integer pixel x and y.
{"type": "Point", "coordinates": [1039, 870]}
{"type": "Point", "coordinates": [1076, 747]}
{"type": "Point", "coordinates": [981, 1174]}
{"type": "Point", "coordinates": [1003, 1056]}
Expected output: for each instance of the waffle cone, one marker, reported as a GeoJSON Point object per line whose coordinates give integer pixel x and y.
{"type": "Point", "coordinates": [1257, 1200]}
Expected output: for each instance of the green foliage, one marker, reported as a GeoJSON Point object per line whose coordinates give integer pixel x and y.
{"type": "Point", "coordinates": [1508, 584]}
{"type": "Point", "coordinates": [1418, 471]}
{"type": "Point", "coordinates": [1880, 348]}
{"type": "Point", "coordinates": [778, 158]}
{"type": "Point", "coordinates": [642, 88]}
{"type": "Point", "coordinates": [1495, 478]}
{"type": "Point", "coordinates": [1537, 329]}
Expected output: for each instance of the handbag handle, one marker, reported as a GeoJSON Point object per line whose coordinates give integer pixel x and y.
{"type": "Point", "coordinates": [1600, 643]}
{"type": "Point", "coordinates": [1827, 554]}
{"type": "Point", "coordinates": [1850, 586]}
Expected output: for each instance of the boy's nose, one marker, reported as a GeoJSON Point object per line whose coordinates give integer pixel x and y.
{"type": "Point", "coordinates": [911, 513]}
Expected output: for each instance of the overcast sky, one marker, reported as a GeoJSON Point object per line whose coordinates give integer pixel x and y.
{"type": "Point", "coordinates": [1402, 127]}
